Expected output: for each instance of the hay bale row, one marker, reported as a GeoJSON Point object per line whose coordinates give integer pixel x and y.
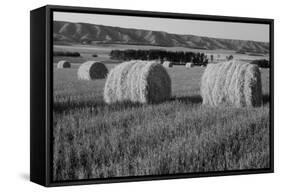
{"type": "Point", "coordinates": [92, 70]}
{"type": "Point", "coordinates": [63, 64]}
{"type": "Point", "coordinates": [138, 81]}
{"type": "Point", "coordinates": [231, 83]}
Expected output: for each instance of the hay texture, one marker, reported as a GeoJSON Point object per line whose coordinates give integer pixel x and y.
{"type": "Point", "coordinates": [92, 70]}
{"type": "Point", "coordinates": [63, 64]}
{"type": "Point", "coordinates": [189, 65]}
{"type": "Point", "coordinates": [167, 64]}
{"type": "Point", "coordinates": [232, 83]}
{"type": "Point", "coordinates": [137, 81]}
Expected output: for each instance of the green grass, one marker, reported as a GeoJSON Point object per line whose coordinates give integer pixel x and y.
{"type": "Point", "coordinates": [96, 140]}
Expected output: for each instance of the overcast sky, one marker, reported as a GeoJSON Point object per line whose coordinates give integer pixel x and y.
{"type": "Point", "coordinates": [226, 30]}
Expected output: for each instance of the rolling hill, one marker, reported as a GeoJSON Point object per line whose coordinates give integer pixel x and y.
{"type": "Point", "coordinates": [84, 33]}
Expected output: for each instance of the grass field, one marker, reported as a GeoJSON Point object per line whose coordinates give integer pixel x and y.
{"type": "Point", "coordinates": [94, 140]}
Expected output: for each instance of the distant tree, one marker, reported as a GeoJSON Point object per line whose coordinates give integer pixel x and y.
{"type": "Point", "coordinates": [212, 58]}
{"type": "Point", "coordinates": [66, 54]}
{"type": "Point", "coordinates": [263, 63]}
{"type": "Point", "coordinates": [230, 57]}
{"type": "Point", "coordinates": [200, 59]}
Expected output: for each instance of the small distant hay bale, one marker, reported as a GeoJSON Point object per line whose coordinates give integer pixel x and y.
{"type": "Point", "coordinates": [137, 81]}
{"type": "Point", "coordinates": [189, 65]}
{"type": "Point", "coordinates": [92, 70]}
{"type": "Point", "coordinates": [167, 64]}
{"type": "Point", "coordinates": [63, 64]}
{"type": "Point", "coordinates": [232, 83]}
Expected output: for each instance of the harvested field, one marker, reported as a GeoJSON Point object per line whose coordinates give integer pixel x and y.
{"type": "Point", "coordinates": [95, 140]}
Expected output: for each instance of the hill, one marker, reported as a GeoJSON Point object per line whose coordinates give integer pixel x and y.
{"type": "Point", "coordinates": [85, 33]}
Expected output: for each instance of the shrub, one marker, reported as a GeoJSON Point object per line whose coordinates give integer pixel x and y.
{"type": "Point", "coordinates": [66, 54]}
{"type": "Point", "coordinates": [230, 57]}
{"type": "Point", "coordinates": [200, 59]}
{"type": "Point", "coordinates": [263, 63]}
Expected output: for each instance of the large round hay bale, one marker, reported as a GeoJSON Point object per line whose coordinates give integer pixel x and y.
{"type": "Point", "coordinates": [138, 81]}
{"type": "Point", "coordinates": [92, 70]}
{"type": "Point", "coordinates": [167, 64]}
{"type": "Point", "coordinates": [232, 83]}
{"type": "Point", "coordinates": [63, 64]}
{"type": "Point", "coordinates": [189, 65]}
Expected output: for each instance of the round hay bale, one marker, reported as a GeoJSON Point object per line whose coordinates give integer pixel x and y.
{"type": "Point", "coordinates": [232, 83]}
{"type": "Point", "coordinates": [92, 70]}
{"type": "Point", "coordinates": [168, 64]}
{"type": "Point", "coordinates": [137, 81]}
{"type": "Point", "coordinates": [189, 65]}
{"type": "Point", "coordinates": [63, 64]}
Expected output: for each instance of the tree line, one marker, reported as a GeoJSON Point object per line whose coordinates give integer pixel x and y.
{"type": "Point", "coordinates": [263, 63]}
{"type": "Point", "coordinates": [66, 54]}
{"type": "Point", "coordinates": [179, 57]}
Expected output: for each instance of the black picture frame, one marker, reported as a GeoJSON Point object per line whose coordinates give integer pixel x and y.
{"type": "Point", "coordinates": [42, 89]}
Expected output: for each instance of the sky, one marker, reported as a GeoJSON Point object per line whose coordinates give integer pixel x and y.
{"type": "Point", "coordinates": [224, 30]}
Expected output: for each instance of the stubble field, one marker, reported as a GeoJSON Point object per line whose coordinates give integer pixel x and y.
{"type": "Point", "coordinates": [94, 140]}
